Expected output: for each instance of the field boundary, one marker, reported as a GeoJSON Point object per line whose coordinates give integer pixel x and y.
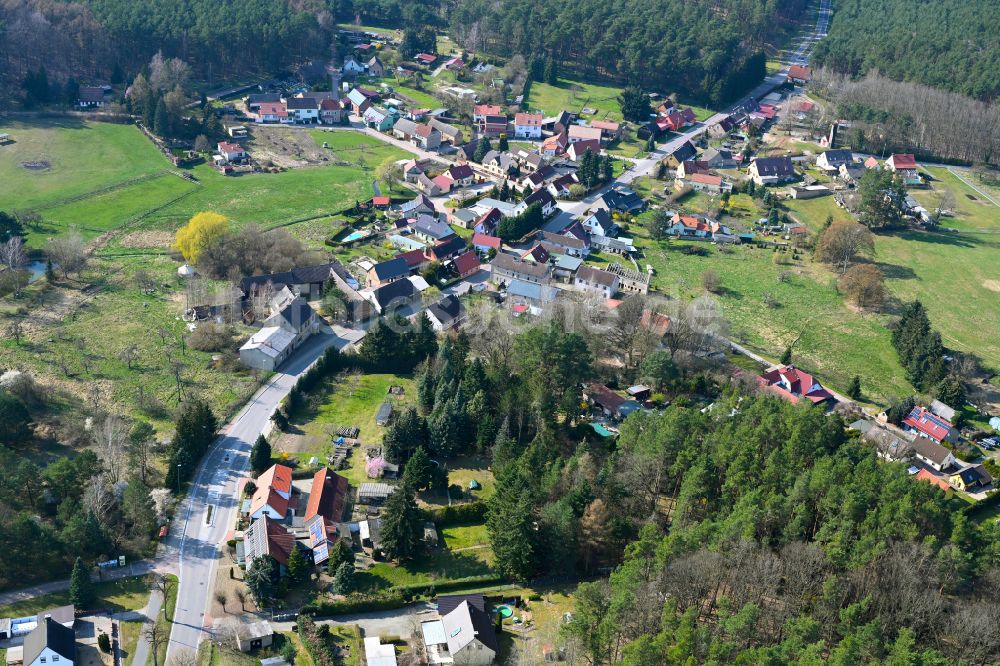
{"type": "Point", "coordinates": [104, 190]}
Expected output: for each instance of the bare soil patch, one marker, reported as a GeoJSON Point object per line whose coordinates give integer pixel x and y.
{"type": "Point", "coordinates": [37, 165]}
{"type": "Point", "coordinates": [286, 148]}
{"type": "Point", "coordinates": [139, 239]}
{"type": "Point", "coordinates": [992, 285]}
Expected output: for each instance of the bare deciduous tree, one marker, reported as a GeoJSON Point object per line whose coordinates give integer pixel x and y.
{"type": "Point", "coordinates": [69, 252]}
{"type": "Point", "coordinates": [843, 242]}
{"type": "Point", "coordinates": [157, 636]}
{"type": "Point", "coordinates": [112, 447]}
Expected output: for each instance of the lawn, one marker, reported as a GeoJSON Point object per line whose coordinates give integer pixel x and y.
{"type": "Point", "coordinates": [813, 212]}
{"type": "Point", "coordinates": [972, 211]}
{"type": "Point", "coordinates": [85, 325]}
{"type": "Point", "coordinates": [171, 602]}
{"type": "Point", "coordinates": [440, 564]}
{"type": "Point", "coordinates": [116, 595]}
{"type": "Point", "coordinates": [419, 97]}
{"type": "Point", "coordinates": [464, 536]}
{"type": "Point", "coordinates": [575, 96]}
{"type": "Point", "coordinates": [352, 400]}
{"type": "Point", "coordinates": [829, 338]}
{"type": "Point", "coordinates": [82, 157]}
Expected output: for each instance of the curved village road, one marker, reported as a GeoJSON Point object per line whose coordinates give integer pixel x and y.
{"type": "Point", "coordinates": [199, 533]}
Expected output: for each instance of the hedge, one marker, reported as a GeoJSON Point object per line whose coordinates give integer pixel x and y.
{"type": "Point", "coordinates": [458, 514]}
{"type": "Point", "coordinates": [447, 585]}
{"type": "Point", "coordinates": [388, 600]}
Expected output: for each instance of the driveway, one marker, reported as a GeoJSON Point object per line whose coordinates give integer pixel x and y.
{"type": "Point", "coordinates": [403, 622]}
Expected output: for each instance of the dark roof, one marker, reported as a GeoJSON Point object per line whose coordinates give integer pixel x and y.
{"type": "Point", "coordinates": [318, 274]}
{"type": "Point", "coordinates": [774, 166]}
{"type": "Point", "coordinates": [92, 94]}
{"type": "Point", "coordinates": [447, 604]}
{"type": "Point", "coordinates": [391, 269]}
{"type": "Point", "coordinates": [623, 200]}
{"type": "Point", "coordinates": [685, 151]}
{"type": "Point", "coordinates": [301, 103]}
{"type": "Point", "coordinates": [838, 155]}
{"type": "Point", "coordinates": [260, 98]}
{"type": "Point", "coordinates": [540, 196]}
{"type": "Point", "coordinates": [485, 631]}
{"type": "Point", "coordinates": [400, 289]}
{"type": "Point", "coordinates": [50, 634]}
{"type": "Point", "coordinates": [297, 312]}
{"type": "Point", "coordinates": [448, 247]}
{"type": "Point", "coordinates": [447, 309]}
{"type": "Point", "coordinates": [314, 274]}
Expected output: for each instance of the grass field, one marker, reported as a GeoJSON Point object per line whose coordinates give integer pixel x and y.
{"type": "Point", "coordinates": [813, 212]}
{"type": "Point", "coordinates": [82, 157]}
{"type": "Point", "coordinates": [972, 211]}
{"type": "Point", "coordinates": [419, 97]}
{"type": "Point", "coordinates": [117, 595]}
{"type": "Point", "coordinates": [440, 564]}
{"type": "Point", "coordinates": [575, 96]}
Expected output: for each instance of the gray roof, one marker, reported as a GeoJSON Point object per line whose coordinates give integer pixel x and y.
{"type": "Point", "coordinates": [405, 126]}
{"type": "Point", "coordinates": [391, 269]}
{"type": "Point", "coordinates": [513, 265]}
{"type": "Point", "coordinates": [774, 166]}
{"type": "Point", "coordinates": [596, 276]}
{"type": "Point", "coordinates": [531, 291]}
{"type": "Point", "coordinates": [297, 313]}
{"type": "Point", "coordinates": [930, 449]}
{"type": "Point", "coordinates": [394, 291]}
{"type": "Point", "coordinates": [465, 622]}
{"type": "Point", "coordinates": [50, 634]}
{"type": "Point", "coordinates": [447, 309]}
{"type": "Point", "coordinates": [433, 228]}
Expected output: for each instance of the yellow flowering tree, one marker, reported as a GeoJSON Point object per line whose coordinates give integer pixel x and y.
{"type": "Point", "coordinates": [200, 232]}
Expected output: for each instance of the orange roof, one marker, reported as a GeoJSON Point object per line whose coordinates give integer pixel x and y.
{"type": "Point", "coordinates": [326, 498]}
{"type": "Point", "coordinates": [528, 119]}
{"type": "Point", "coordinates": [707, 179]}
{"type": "Point", "coordinates": [278, 478]}
{"type": "Point", "coordinates": [924, 475]}
{"type": "Point", "coordinates": [265, 496]}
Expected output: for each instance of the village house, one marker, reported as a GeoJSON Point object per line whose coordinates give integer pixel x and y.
{"type": "Point", "coordinates": [566, 244]}
{"type": "Point", "coordinates": [302, 110]}
{"type": "Point", "coordinates": [327, 497]}
{"type": "Point", "coordinates": [359, 101]}
{"type": "Point", "coordinates": [282, 333]}
{"type": "Point", "coordinates": [352, 67]}
{"type": "Point", "coordinates": [577, 150]}
{"type": "Point", "coordinates": [231, 152]}
{"type": "Point", "coordinates": [461, 174]}
{"type": "Point", "coordinates": [484, 243]}
{"type": "Point", "coordinates": [541, 197]}
{"type": "Point", "coordinates": [537, 254]}
{"type": "Point", "coordinates": [430, 230]}
{"type": "Point", "coordinates": [620, 246]}
{"type": "Point", "coordinates": [378, 119]}
{"type": "Point", "coordinates": [528, 297]}
{"type": "Point", "coordinates": [375, 67]}
{"type": "Point", "coordinates": [528, 125]}
{"type": "Point", "coordinates": [561, 186]}
{"type": "Point", "coordinates": [685, 151]}
{"type": "Point", "coordinates": [270, 113]}
{"type": "Point", "coordinates": [793, 384]}
{"type": "Point", "coordinates": [428, 185]}
{"type": "Point", "coordinates": [466, 264]}
{"type": "Point", "coordinates": [449, 133]}
{"type": "Point", "coordinates": [267, 537]}
{"type": "Point", "coordinates": [50, 642]}
{"type": "Point", "coordinates": [970, 478]}
{"type": "Point", "coordinates": [446, 248]}
{"type": "Point", "coordinates": [93, 97]}
{"type": "Point", "coordinates": [554, 145]}
{"type": "Point", "coordinates": [718, 158]}
{"type": "Point", "coordinates": [584, 133]}
{"type": "Point", "coordinates": [425, 59]}
{"type": "Point", "coordinates": [831, 160]}
{"type": "Point", "coordinates": [714, 185]}
{"type": "Point", "coordinates": [487, 223]}
{"type": "Point", "coordinates": [387, 271]}
{"type": "Point", "coordinates": [446, 314]}
{"type": "Point", "coordinates": [411, 170]}
{"type": "Point", "coordinates": [464, 635]}
{"type": "Point", "coordinates": [905, 166]}
{"type": "Point", "coordinates": [398, 294]}
{"type": "Point", "coordinates": [600, 223]}
{"type": "Point", "coordinates": [596, 281]}
{"type": "Point", "coordinates": [610, 130]}
{"type": "Point", "coordinates": [331, 111]}
{"type": "Point", "coordinates": [690, 167]}
{"type": "Point", "coordinates": [926, 424]}
{"type": "Point", "coordinates": [506, 268]}
{"type": "Point", "coordinates": [621, 199]}
{"type": "Point", "coordinates": [608, 402]}
{"type": "Point", "coordinates": [933, 454]}
{"type": "Point", "coordinates": [419, 204]}
{"type": "Point", "coordinates": [771, 170]}
{"type": "Point", "coordinates": [694, 226]}
{"type": "Point", "coordinates": [463, 217]}
{"type": "Point", "coordinates": [799, 74]}
{"type": "Point", "coordinates": [273, 494]}
{"type": "Point", "coordinates": [851, 172]}
{"type": "Point", "coordinates": [502, 165]}
{"type": "Point", "coordinates": [254, 101]}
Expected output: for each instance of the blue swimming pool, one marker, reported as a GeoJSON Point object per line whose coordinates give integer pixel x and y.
{"type": "Point", "coordinates": [602, 430]}
{"type": "Point", "coordinates": [353, 236]}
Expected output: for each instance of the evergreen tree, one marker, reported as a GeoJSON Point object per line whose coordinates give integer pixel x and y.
{"type": "Point", "coordinates": [138, 509]}
{"type": "Point", "coordinates": [259, 579]}
{"type": "Point", "coordinates": [298, 565]}
{"type": "Point", "coordinates": [280, 420]}
{"type": "Point", "coordinates": [343, 579]}
{"type": "Point", "coordinates": [504, 191]}
{"type": "Point", "coordinates": [502, 144]}
{"type": "Point", "coordinates": [951, 391]}
{"type": "Point", "coordinates": [551, 71]}
{"type": "Point", "coordinates": [83, 533]}
{"type": "Point", "coordinates": [260, 455]}
{"type": "Point", "coordinates": [448, 429]}
{"type": "Point", "coordinates": [406, 433]}
{"type": "Point", "coordinates": [340, 553]}
{"type": "Point", "coordinates": [786, 356]}
{"type": "Point", "coordinates": [81, 589]}
{"type": "Point", "coordinates": [608, 173]}
{"type": "Point", "coordinates": [424, 338]}
{"type": "Point", "coordinates": [402, 526]}
{"type": "Point", "coordinates": [161, 120]}
{"type": "Point", "coordinates": [117, 77]}
{"type": "Point", "coordinates": [419, 470]}
{"type": "Point", "coordinates": [854, 390]}
{"type": "Point", "coordinates": [482, 148]}
{"type": "Point", "coordinates": [510, 525]}
{"type": "Point", "coordinates": [651, 144]}
{"type": "Point", "coordinates": [425, 391]}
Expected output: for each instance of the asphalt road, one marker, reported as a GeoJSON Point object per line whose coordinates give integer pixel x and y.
{"type": "Point", "coordinates": [198, 532]}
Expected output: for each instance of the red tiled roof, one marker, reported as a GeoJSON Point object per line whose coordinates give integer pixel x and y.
{"type": "Point", "coordinates": [466, 263]}
{"type": "Point", "coordinates": [528, 119]}
{"type": "Point", "coordinates": [800, 384]}
{"type": "Point", "coordinates": [608, 125]}
{"type": "Point", "coordinates": [426, 58]}
{"type": "Point", "coordinates": [278, 477]}
{"type": "Point", "coordinates": [924, 475]}
{"type": "Point", "coordinates": [226, 147]}
{"type": "Point", "coordinates": [326, 498]}
{"type": "Point", "coordinates": [929, 424]}
{"type": "Point", "coordinates": [272, 109]}
{"type": "Point", "coordinates": [443, 181]}
{"type": "Point", "coordinates": [707, 179]}
{"type": "Point", "coordinates": [800, 72]}
{"type": "Point", "coordinates": [265, 496]}
{"type": "Point", "coordinates": [655, 322]}
{"type": "Point", "coordinates": [330, 105]}
{"type": "Point", "coordinates": [279, 541]}
{"type": "Point", "coordinates": [487, 110]}
{"type": "Point", "coordinates": [903, 161]}
{"type": "Point", "coordinates": [486, 241]}
{"type": "Point", "coordinates": [381, 201]}
{"type": "Point", "coordinates": [413, 258]}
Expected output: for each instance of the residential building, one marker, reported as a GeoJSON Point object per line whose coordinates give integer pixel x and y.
{"type": "Point", "coordinates": [621, 199]}
{"type": "Point", "coordinates": [446, 314]}
{"type": "Point", "coordinates": [487, 223]}
{"type": "Point", "coordinates": [307, 281]}
{"type": "Point", "coordinates": [685, 151]}
{"type": "Point", "coordinates": [449, 133]}
{"type": "Point", "coordinates": [718, 158]}
{"type": "Point", "coordinates": [273, 493]}
{"type": "Point", "coordinates": [359, 101]}
{"type": "Point", "coordinates": [528, 125]}
{"type": "Point", "coordinates": [267, 537]}
{"type": "Point", "coordinates": [925, 423]}
{"type": "Point", "coordinates": [542, 197]}
{"type": "Point", "coordinates": [281, 335]}
{"type": "Point", "coordinates": [93, 97]}
{"type": "Point", "coordinates": [933, 454]}
{"type": "Point", "coordinates": [231, 152]}
{"type": "Point", "coordinates": [529, 297]}
{"type": "Point", "coordinates": [461, 174]}
{"type": "Point", "coordinates": [596, 281]}
{"type": "Point", "coordinates": [693, 226]}
{"type": "Point", "coordinates": [851, 172]}
{"type": "Point", "coordinates": [629, 280]}
{"type": "Point", "coordinates": [446, 248]}
{"type": "Point", "coordinates": [302, 110]}
{"type": "Point", "coordinates": [600, 223]}
{"type": "Point", "coordinates": [714, 185]}
{"type": "Point", "coordinates": [419, 204]}
{"type": "Point", "coordinates": [799, 74]}
{"type": "Point", "coordinates": [270, 113]}
{"type": "Point", "coordinates": [772, 170]}
{"type": "Point", "coordinates": [690, 167]}
{"type": "Point", "coordinates": [252, 636]}
{"type": "Point", "coordinates": [502, 165]}
{"type": "Point", "coordinates": [411, 169]}
{"type": "Point", "coordinates": [577, 133]}
{"type": "Point", "coordinates": [610, 130]}
{"type": "Point", "coordinates": [425, 59]}
{"type": "Point", "coordinates": [463, 635]}
{"type": "Point", "coordinates": [555, 145]}
{"type": "Point", "coordinates": [561, 186]}
{"type": "Point", "coordinates": [832, 160]}
{"type": "Point", "coordinates": [378, 119]}
{"type": "Point", "coordinates": [378, 653]}
{"type": "Point", "coordinates": [793, 385]}
{"type": "Point", "coordinates": [484, 243]}
{"type": "Point", "coordinates": [536, 254]}
{"type": "Point", "coordinates": [608, 402]}
{"type": "Point", "coordinates": [49, 643]}
{"type": "Point", "coordinates": [352, 67]}
{"type": "Point", "coordinates": [970, 478]}
{"type": "Point", "coordinates": [375, 67]}
{"type": "Point", "coordinates": [430, 230]}
{"type": "Point", "coordinates": [398, 294]}
{"type": "Point", "coordinates": [331, 111]}
{"type": "Point", "coordinates": [327, 496]}
{"type": "Point", "coordinates": [905, 166]}
{"type": "Point", "coordinates": [578, 149]}
{"type": "Point", "coordinates": [566, 244]}
{"type": "Point", "coordinates": [467, 263]}
{"type": "Point", "coordinates": [506, 268]}
{"type": "Point", "coordinates": [463, 217]}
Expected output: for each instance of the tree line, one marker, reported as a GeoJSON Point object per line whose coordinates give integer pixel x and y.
{"type": "Point", "coordinates": [708, 51]}
{"type": "Point", "coordinates": [944, 44]}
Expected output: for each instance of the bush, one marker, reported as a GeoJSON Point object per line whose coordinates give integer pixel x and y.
{"type": "Point", "coordinates": [104, 642]}
{"type": "Point", "coordinates": [209, 337]}
{"type": "Point", "coordinates": [356, 603]}
{"type": "Point", "coordinates": [458, 514]}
